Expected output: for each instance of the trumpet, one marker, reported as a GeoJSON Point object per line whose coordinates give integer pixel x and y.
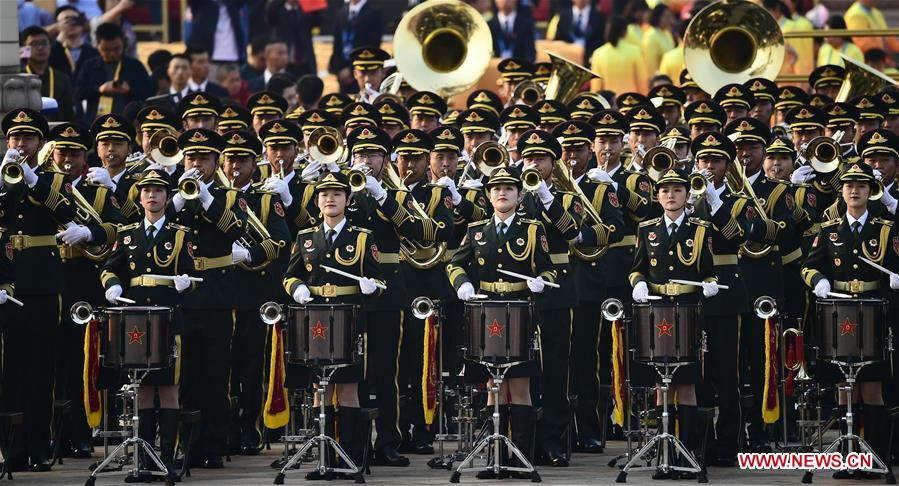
{"type": "Point", "coordinates": [765, 307]}
{"type": "Point", "coordinates": [612, 310]}
{"type": "Point", "coordinates": [357, 178]}
{"type": "Point", "coordinates": [81, 312]}
{"type": "Point", "coordinates": [526, 92]}
{"type": "Point", "coordinates": [423, 307]}
{"type": "Point", "coordinates": [270, 313]}
{"type": "Point", "coordinates": [13, 172]}
{"type": "Point", "coordinates": [658, 160]}
{"type": "Point", "coordinates": [189, 187]}
{"type": "Point", "coordinates": [531, 179]}
{"type": "Point", "coordinates": [606, 156]}
{"type": "Point", "coordinates": [698, 184]}
{"type": "Point", "coordinates": [488, 156]}
{"type": "Point", "coordinates": [823, 154]}
{"type": "Point", "coordinates": [326, 146]}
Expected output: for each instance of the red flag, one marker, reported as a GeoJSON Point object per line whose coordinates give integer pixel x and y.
{"type": "Point", "coordinates": [770, 404]}
{"type": "Point", "coordinates": [276, 413]}
{"type": "Point", "coordinates": [618, 377]}
{"type": "Point", "coordinates": [93, 405]}
{"type": "Point", "coordinates": [430, 370]}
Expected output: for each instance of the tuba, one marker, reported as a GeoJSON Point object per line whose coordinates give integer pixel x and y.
{"type": "Point", "coordinates": [566, 80]}
{"type": "Point", "coordinates": [443, 46]}
{"type": "Point", "coordinates": [861, 79]}
{"type": "Point", "coordinates": [732, 41]}
{"type": "Point", "coordinates": [823, 154]}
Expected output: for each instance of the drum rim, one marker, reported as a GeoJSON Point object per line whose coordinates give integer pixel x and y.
{"type": "Point", "coordinates": [480, 303]}
{"type": "Point", "coordinates": [321, 306]}
{"type": "Point", "coordinates": [138, 309]}
{"type": "Point", "coordinates": [852, 301]}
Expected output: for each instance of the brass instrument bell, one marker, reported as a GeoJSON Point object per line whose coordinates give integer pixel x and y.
{"type": "Point", "coordinates": [566, 80]}
{"type": "Point", "coordinates": [861, 79]}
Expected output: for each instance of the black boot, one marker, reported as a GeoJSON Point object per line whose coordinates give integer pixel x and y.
{"type": "Point", "coordinates": [329, 431]}
{"type": "Point", "coordinates": [146, 430]}
{"type": "Point", "coordinates": [351, 436]}
{"type": "Point", "coordinates": [503, 459]}
{"type": "Point", "coordinates": [168, 437]}
{"type": "Point", "coordinates": [523, 435]}
{"type": "Point", "coordinates": [690, 433]}
{"type": "Point", "coordinates": [660, 474]}
{"type": "Point", "coordinates": [877, 434]}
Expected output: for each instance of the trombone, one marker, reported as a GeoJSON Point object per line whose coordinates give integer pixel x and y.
{"type": "Point", "coordinates": [563, 180]}
{"type": "Point", "coordinates": [326, 145]}
{"type": "Point", "coordinates": [738, 183]}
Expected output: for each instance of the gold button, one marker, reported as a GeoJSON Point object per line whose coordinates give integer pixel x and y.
{"type": "Point", "coordinates": [500, 265]}
{"type": "Point", "coordinates": [671, 253]}
{"type": "Point", "coordinates": [149, 269]}
{"type": "Point", "coordinates": [855, 265]}
{"type": "Point", "coordinates": [855, 252]}
{"type": "Point", "coordinates": [499, 250]}
{"type": "Point", "coordinates": [670, 268]}
{"type": "Point", "coordinates": [149, 254]}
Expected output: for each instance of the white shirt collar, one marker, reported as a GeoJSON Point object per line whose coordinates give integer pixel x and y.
{"type": "Point", "coordinates": [679, 221]}
{"type": "Point", "coordinates": [159, 224]}
{"type": "Point", "coordinates": [116, 178]}
{"type": "Point", "coordinates": [267, 75]}
{"type": "Point", "coordinates": [862, 219]}
{"type": "Point", "coordinates": [184, 92]}
{"type": "Point", "coordinates": [505, 20]}
{"type": "Point", "coordinates": [76, 181]}
{"type": "Point", "coordinates": [579, 179]}
{"type": "Point", "coordinates": [354, 9]}
{"type": "Point", "coordinates": [754, 177]}
{"type": "Point", "coordinates": [288, 175]}
{"type": "Point", "coordinates": [194, 86]}
{"type": "Point", "coordinates": [508, 221]}
{"type": "Point", "coordinates": [614, 171]}
{"type": "Point", "coordinates": [337, 228]}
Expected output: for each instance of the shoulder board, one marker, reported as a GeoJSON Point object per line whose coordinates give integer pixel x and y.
{"type": "Point", "coordinates": [778, 181]}
{"type": "Point", "coordinates": [53, 170]}
{"type": "Point", "coordinates": [651, 222]}
{"type": "Point", "coordinates": [128, 227]}
{"type": "Point", "coordinates": [800, 184]}
{"type": "Point", "coordinates": [831, 222]}
{"type": "Point", "coordinates": [360, 229]}
{"type": "Point", "coordinates": [478, 223]}
{"type": "Point", "coordinates": [631, 172]}
{"type": "Point", "coordinates": [179, 227]}
{"type": "Point", "coordinates": [882, 221]}
{"type": "Point", "coordinates": [699, 222]}
{"type": "Point", "coordinates": [308, 230]}
{"type": "Point", "coordinates": [529, 221]}
{"type": "Point", "coordinates": [257, 185]}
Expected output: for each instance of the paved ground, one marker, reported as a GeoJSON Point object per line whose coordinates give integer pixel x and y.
{"type": "Point", "coordinates": [585, 470]}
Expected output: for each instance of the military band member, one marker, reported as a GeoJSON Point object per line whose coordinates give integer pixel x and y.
{"type": "Point", "coordinates": [260, 259]}
{"type": "Point", "coordinates": [655, 265]}
{"type": "Point", "coordinates": [357, 114]}
{"type": "Point", "coordinates": [557, 210]}
{"type": "Point", "coordinates": [234, 117]}
{"type": "Point", "coordinates": [334, 102]}
{"type": "Point", "coordinates": [113, 135]}
{"type": "Point", "coordinates": [478, 126]}
{"type": "Point", "coordinates": [833, 264]}
{"type": "Point", "coordinates": [672, 103]}
{"type": "Point", "coordinates": [282, 140]}
{"type": "Point", "coordinates": [871, 112]}
{"type": "Point", "coordinates": [789, 97]}
{"type": "Point", "coordinates": [386, 210]}
{"type": "Point", "coordinates": [526, 252]}
{"type": "Point", "coordinates": [513, 71]}
{"type": "Point", "coordinates": [736, 101]}
{"type": "Point", "coordinates": [413, 149]}
{"type": "Point", "coordinates": [84, 246]}
{"type": "Point", "coordinates": [645, 125]}
{"type": "Point", "coordinates": [552, 112]}
{"type": "Point", "coordinates": [584, 106]}
{"type": "Point", "coordinates": [704, 116]}
{"type": "Point", "coordinates": [33, 209]}
{"type": "Point", "coordinates": [764, 94]}
{"type": "Point", "coordinates": [759, 263]}
{"type": "Point", "coordinates": [266, 106]}
{"type": "Point", "coordinates": [628, 100]}
{"type": "Point", "coordinates": [394, 116]}
{"type": "Point", "coordinates": [827, 79]}
{"type": "Point", "coordinates": [680, 136]}
{"type": "Point", "coordinates": [692, 91]}
{"type": "Point", "coordinates": [200, 110]}
{"type": "Point", "coordinates": [484, 99]}
{"type": "Point", "coordinates": [425, 109]}
{"type": "Point", "coordinates": [516, 120]}
{"type": "Point", "coordinates": [150, 120]}
{"type": "Point", "coordinates": [217, 218]}
{"type": "Point", "coordinates": [337, 243]}
{"type": "Point", "coordinates": [127, 273]}
{"type": "Point", "coordinates": [590, 341]}
{"type": "Point", "coordinates": [842, 117]}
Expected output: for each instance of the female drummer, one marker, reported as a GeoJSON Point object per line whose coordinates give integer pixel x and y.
{"type": "Point", "coordinates": [337, 244]}
{"type": "Point", "coordinates": [506, 241]}
{"type": "Point", "coordinates": [675, 246]}
{"type": "Point", "coordinates": [153, 247]}
{"type": "Point", "coordinates": [834, 264]}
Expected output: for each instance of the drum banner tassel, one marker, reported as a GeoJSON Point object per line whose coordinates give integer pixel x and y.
{"type": "Point", "coordinates": [93, 405]}
{"type": "Point", "coordinates": [276, 413]}
{"type": "Point", "coordinates": [430, 370]}
{"type": "Point", "coordinates": [618, 377]}
{"type": "Point", "coordinates": [771, 405]}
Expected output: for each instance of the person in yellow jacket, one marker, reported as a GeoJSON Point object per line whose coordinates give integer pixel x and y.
{"type": "Point", "coordinates": [862, 15]}
{"type": "Point", "coordinates": [833, 47]}
{"type": "Point", "coordinates": [657, 39]}
{"type": "Point", "coordinates": [672, 62]}
{"type": "Point", "coordinates": [800, 52]}
{"type": "Point", "coordinates": [620, 64]}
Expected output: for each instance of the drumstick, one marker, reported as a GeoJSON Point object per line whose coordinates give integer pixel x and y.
{"type": "Point", "coordinates": [479, 296]}
{"type": "Point", "coordinates": [653, 297]}
{"type": "Point", "coordinates": [698, 284]}
{"type": "Point", "coordinates": [839, 295]}
{"type": "Point", "coordinates": [127, 301]}
{"type": "Point", "coordinates": [172, 277]}
{"type": "Point", "coordinates": [525, 277]}
{"type": "Point", "coordinates": [15, 301]}
{"type": "Point", "coordinates": [350, 275]}
{"type": "Point", "coordinates": [876, 265]}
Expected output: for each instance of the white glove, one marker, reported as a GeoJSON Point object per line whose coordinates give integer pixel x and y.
{"type": "Point", "coordinates": [889, 202]}
{"type": "Point", "coordinates": [894, 281]}
{"type": "Point", "coordinates": [709, 289]}
{"type": "Point", "coordinates": [450, 185]}
{"type": "Point", "coordinates": [182, 282]}
{"type": "Point", "coordinates": [332, 167]}
{"type": "Point", "coordinates": [99, 175]}
{"type": "Point", "coordinates": [311, 171]}
{"type": "Point", "coordinates": [28, 175]}
{"type": "Point", "coordinates": [472, 184]}
{"type": "Point", "coordinates": [276, 184]}
{"type": "Point", "coordinates": [598, 175]}
{"type": "Point", "coordinates": [12, 155]}
{"type": "Point", "coordinates": [822, 288]}
{"type": "Point", "coordinates": [536, 285]}
{"type": "Point", "coordinates": [640, 292]}
{"type": "Point", "coordinates": [878, 175]}
{"type": "Point", "coordinates": [3, 297]}
{"type": "Point", "coordinates": [713, 198]}
{"type": "Point", "coordinates": [802, 175]}
{"type": "Point", "coordinates": [239, 254]}
{"type": "Point", "coordinates": [205, 195]}
{"type": "Point", "coordinates": [368, 286]}
{"type": "Point", "coordinates": [301, 295]}
{"type": "Point", "coordinates": [546, 197]}
{"type": "Point", "coordinates": [74, 234]}
{"type": "Point", "coordinates": [465, 292]}
{"type": "Point", "coordinates": [373, 186]}
{"type": "Point", "coordinates": [113, 293]}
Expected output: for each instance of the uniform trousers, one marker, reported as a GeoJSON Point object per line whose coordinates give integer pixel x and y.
{"type": "Point", "coordinates": [247, 360]}
{"type": "Point", "coordinates": [383, 338]}
{"type": "Point", "coordinates": [555, 349]}
{"type": "Point", "coordinates": [721, 382]}
{"type": "Point", "coordinates": [588, 334]}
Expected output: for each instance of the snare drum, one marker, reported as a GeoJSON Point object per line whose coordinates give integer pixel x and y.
{"type": "Point", "coordinates": [666, 332]}
{"type": "Point", "coordinates": [499, 331]}
{"type": "Point", "coordinates": [137, 337]}
{"type": "Point", "coordinates": [852, 330]}
{"type": "Point", "coordinates": [321, 334]}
